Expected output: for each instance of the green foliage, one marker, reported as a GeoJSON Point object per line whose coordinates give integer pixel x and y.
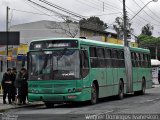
{"type": "Point", "coordinates": [147, 30]}
{"type": "Point", "coordinates": [93, 23]}
{"type": "Point", "coordinates": [146, 41]}
{"type": "Point", "coordinates": [151, 43]}
{"type": "Point", "coordinates": [119, 27]}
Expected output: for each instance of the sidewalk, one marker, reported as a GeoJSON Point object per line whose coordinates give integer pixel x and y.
{"type": "Point", "coordinates": [4, 107]}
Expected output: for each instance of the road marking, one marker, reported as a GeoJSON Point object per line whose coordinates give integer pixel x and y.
{"type": "Point", "coordinates": [104, 113]}
{"type": "Point", "coordinates": [109, 111]}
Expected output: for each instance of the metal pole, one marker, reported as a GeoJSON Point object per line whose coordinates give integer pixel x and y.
{"type": "Point", "coordinates": [7, 28]}
{"type": "Point", "coordinates": [124, 28]}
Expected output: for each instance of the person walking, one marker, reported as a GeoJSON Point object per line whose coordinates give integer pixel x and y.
{"type": "Point", "coordinates": [21, 84]}
{"type": "Point", "coordinates": [7, 85]}
{"type": "Point", "coordinates": [13, 77]}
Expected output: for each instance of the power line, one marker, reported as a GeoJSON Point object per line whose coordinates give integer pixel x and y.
{"type": "Point", "coordinates": [38, 9]}
{"type": "Point", "coordinates": [32, 12]}
{"type": "Point", "coordinates": [88, 5]}
{"type": "Point", "coordinates": [110, 5]}
{"type": "Point", "coordinates": [59, 14]}
{"type": "Point", "coordinates": [45, 8]}
{"type": "Point", "coordinates": [150, 10]}
{"type": "Point", "coordinates": [107, 6]}
{"type": "Point", "coordinates": [107, 14]}
{"type": "Point", "coordinates": [146, 12]}
{"type": "Point", "coordinates": [140, 16]}
{"type": "Point", "coordinates": [61, 9]}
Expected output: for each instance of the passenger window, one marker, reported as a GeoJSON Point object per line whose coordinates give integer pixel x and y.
{"type": "Point", "coordinates": [84, 63]}
{"type": "Point", "coordinates": [115, 58]}
{"type": "Point", "coordinates": [100, 52]}
{"type": "Point", "coordinates": [108, 60]}
{"type": "Point", "coordinates": [100, 55]}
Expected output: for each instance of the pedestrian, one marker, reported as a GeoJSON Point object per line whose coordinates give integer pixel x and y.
{"type": "Point", "coordinates": [21, 84]}
{"type": "Point", "coordinates": [13, 77]}
{"type": "Point", "coordinates": [7, 85]}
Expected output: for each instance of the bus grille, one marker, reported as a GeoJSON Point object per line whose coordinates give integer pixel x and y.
{"type": "Point", "coordinates": [52, 88]}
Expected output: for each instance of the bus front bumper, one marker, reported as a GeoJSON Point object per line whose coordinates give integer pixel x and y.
{"type": "Point", "coordinates": [57, 98]}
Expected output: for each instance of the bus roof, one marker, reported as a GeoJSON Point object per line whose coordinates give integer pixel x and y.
{"type": "Point", "coordinates": [97, 43]}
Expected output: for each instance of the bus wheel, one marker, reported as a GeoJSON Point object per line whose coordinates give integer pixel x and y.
{"type": "Point", "coordinates": [142, 92]}
{"type": "Point", "coordinates": [49, 105]}
{"type": "Point", "coordinates": [94, 94]}
{"type": "Point", "coordinates": [121, 90]}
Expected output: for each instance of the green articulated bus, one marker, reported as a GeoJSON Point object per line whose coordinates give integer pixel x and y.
{"type": "Point", "coordinates": [76, 69]}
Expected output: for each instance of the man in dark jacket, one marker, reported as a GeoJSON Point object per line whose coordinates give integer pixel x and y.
{"type": "Point", "coordinates": [21, 84]}
{"type": "Point", "coordinates": [13, 77]}
{"type": "Point", "coordinates": [7, 85]}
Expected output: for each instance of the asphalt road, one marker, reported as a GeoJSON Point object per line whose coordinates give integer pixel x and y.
{"type": "Point", "coordinates": [142, 107]}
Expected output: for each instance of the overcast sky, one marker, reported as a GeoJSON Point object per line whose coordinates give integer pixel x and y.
{"type": "Point", "coordinates": [87, 8]}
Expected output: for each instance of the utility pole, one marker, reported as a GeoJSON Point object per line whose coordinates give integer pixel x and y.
{"type": "Point", "coordinates": [125, 21]}
{"type": "Point", "coordinates": [7, 29]}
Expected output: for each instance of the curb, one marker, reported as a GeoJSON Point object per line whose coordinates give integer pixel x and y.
{"type": "Point", "coordinates": [21, 106]}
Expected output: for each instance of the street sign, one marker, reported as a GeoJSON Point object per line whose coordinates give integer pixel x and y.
{"type": "Point", "coordinates": [13, 38]}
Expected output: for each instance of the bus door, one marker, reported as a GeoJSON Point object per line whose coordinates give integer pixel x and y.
{"type": "Point", "coordinates": [135, 65]}
{"type": "Point", "coordinates": [109, 72]}
{"type": "Point", "coordinates": [115, 71]}
{"type": "Point", "coordinates": [98, 69]}
{"type": "Point", "coordinates": [84, 67]}
{"type": "Point", "coordinates": [101, 71]}
{"type": "Point", "coordinates": [128, 67]}
{"type": "Point", "coordinates": [141, 70]}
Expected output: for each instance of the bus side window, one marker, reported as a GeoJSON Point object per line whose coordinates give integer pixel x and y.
{"type": "Point", "coordinates": [108, 58]}
{"type": "Point", "coordinates": [133, 59]}
{"type": "Point", "coordinates": [115, 58]}
{"type": "Point", "coordinates": [93, 57]}
{"type": "Point", "coordinates": [84, 63]}
{"type": "Point", "coordinates": [120, 59]}
{"type": "Point", "coordinates": [137, 59]}
{"type": "Point", "coordinates": [146, 61]}
{"type": "Point", "coordinates": [149, 60]}
{"type": "Point", "coordinates": [100, 55]}
{"type": "Point", "coordinates": [141, 60]}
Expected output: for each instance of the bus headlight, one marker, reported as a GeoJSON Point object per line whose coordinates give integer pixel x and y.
{"type": "Point", "coordinates": [74, 90]}
{"type": "Point", "coordinates": [69, 90]}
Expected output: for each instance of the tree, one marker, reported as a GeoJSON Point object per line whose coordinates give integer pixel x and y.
{"type": "Point", "coordinates": [93, 23]}
{"type": "Point", "coordinates": [152, 43]}
{"type": "Point", "coordinates": [119, 27]}
{"type": "Point", "coordinates": [68, 27]}
{"type": "Point", "coordinates": [147, 30]}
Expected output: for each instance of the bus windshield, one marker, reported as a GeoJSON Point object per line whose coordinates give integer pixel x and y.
{"type": "Point", "coordinates": [54, 65]}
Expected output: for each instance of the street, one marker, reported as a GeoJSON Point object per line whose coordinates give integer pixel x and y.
{"type": "Point", "coordinates": [131, 104]}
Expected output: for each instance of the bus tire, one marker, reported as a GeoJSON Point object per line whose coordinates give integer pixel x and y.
{"type": "Point", "coordinates": [49, 105]}
{"type": "Point", "coordinates": [121, 90]}
{"type": "Point", "coordinates": [94, 94]}
{"type": "Point", "coordinates": [142, 92]}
